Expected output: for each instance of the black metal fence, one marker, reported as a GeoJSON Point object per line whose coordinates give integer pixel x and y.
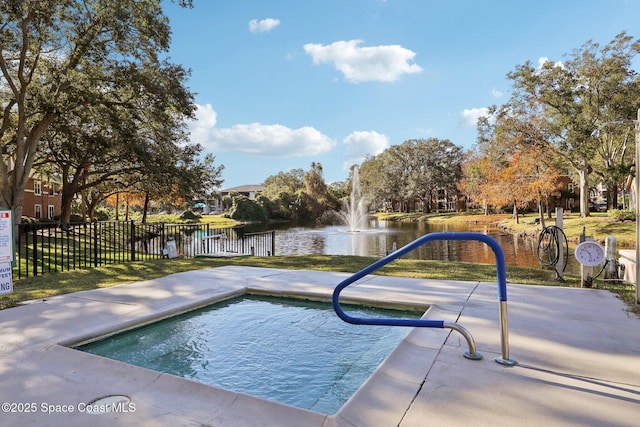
{"type": "Point", "coordinates": [44, 248]}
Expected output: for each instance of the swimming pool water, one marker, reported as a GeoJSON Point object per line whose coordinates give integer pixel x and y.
{"type": "Point", "coordinates": [291, 351]}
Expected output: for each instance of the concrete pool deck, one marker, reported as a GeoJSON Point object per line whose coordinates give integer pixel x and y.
{"type": "Point", "coordinates": [577, 353]}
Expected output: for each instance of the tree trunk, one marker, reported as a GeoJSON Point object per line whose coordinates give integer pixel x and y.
{"type": "Point", "coordinates": [145, 207]}
{"type": "Point", "coordinates": [612, 195]}
{"type": "Point", "coordinates": [68, 192]}
{"type": "Point", "coordinates": [117, 205]}
{"type": "Point", "coordinates": [17, 202]}
{"type": "Point", "coordinates": [25, 153]}
{"type": "Point", "coordinates": [541, 213]}
{"type": "Point", "coordinates": [584, 192]}
{"type": "Point", "coordinates": [92, 206]}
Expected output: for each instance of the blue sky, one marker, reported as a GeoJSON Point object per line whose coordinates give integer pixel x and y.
{"type": "Point", "coordinates": [283, 83]}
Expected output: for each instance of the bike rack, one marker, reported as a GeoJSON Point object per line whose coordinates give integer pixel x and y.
{"type": "Point", "coordinates": [501, 272]}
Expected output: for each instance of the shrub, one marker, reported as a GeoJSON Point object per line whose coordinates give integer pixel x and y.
{"type": "Point", "coordinates": [622, 215]}
{"type": "Point", "coordinates": [190, 216]}
{"type": "Point", "coordinates": [245, 209]}
{"type": "Point", "coordinates": [29, 220]}
{"type": "Point", "coordinates": [102, 214]}
{"type": "Point", "coordinates": [75, 218]}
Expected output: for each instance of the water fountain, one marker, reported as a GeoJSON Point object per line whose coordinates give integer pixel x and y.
{"type": "Point", "coordinates": [354, 213]}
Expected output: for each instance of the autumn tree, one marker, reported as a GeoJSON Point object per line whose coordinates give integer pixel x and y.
{"type": "Point", "coordinates": [114, 197]}
{"type": "Point", "coordinates": [511, 168]}
{"type": "Point", "coordinates": [557, 106]}
{"type": "Point", "coordinates": [520, 180]}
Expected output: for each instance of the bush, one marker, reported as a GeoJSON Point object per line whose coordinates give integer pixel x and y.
{"type": "Point", "coordinates": [75, 218]}
{"type": "Point", "coordinates": [102, 214]}
{"type": "Point", "coordinates": [190, 216]}
{"type": "Point", "coordinates": [245, 209]}
{"type": "Point", "coordinates": [622, 215]}
{"type": "Point", "coordinates": [29, 220]}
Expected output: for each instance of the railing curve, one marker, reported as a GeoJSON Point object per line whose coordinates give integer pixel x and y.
{"type": "Point", "coordinates": [501, 273]}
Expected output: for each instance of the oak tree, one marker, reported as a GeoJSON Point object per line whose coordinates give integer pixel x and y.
{"type": "Point", "coordinates": [60, 57]}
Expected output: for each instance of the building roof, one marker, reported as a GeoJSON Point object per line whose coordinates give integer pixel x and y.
{"type": "Point", "coordinates": [251, 188]}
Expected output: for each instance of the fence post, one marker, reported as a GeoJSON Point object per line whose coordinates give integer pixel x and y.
{"type": "Point", "coordinates": [163, 240]}
{"type": "Point", "coordinates": [273, 242]}
{"type": "Point", "coordinates": [83, 260]}
{"type": "Point", "coordinates": [96, 242]}
{"type": "Point", "coordinates": [18, 255]}
{"type": "Point", "coordinates": [208, 242]}
{"type": "Point", "coordinates": [133, 241]}
{"type": "Point", "coordinates": [35, 249]}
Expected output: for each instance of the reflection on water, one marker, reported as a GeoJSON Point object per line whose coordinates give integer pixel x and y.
{"type": "Point", "coordinates": [380, 237]}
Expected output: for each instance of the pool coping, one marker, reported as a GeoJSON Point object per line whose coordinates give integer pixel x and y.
{"type": "Point", "coordinates": [232, 406]}
{"type": "Point", "coordinates": [38, 368]}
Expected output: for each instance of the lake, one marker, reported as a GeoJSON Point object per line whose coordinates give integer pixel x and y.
{"type": "Point", "coordinates": [382, 235]}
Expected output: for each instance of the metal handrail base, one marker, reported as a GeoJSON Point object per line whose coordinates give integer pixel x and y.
{"type": "Point", "coordinates": [472, 354]}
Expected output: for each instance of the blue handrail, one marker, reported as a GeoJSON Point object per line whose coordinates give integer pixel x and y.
{"type": "Point", "coordinates": [501, 272]}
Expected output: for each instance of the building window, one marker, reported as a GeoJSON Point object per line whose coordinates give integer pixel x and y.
{"type": "Point", "coordinates": [52, 211]}
{"type": "Point", "coordinates": [37, 188]}
{"type": "Point", "coordinates": [38, 211]}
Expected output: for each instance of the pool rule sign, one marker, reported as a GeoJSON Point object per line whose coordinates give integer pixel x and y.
{"type": "Point", "coordinates": [6, 251]}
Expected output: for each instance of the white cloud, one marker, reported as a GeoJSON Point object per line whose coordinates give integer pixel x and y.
{"type": "Point", "coordinates": [543, 59]}
{"type": "Point", "coordinates": [202, 127]}
{"type": "Point", "coordinates": [496, 93]}
{"type": "Point", "coordinates": [470, 116]}
{"type": "Point", "coordinates": [363, 143]}
{"type": "Point", "coordinates": [361, 64]}
{"type": "Point", "coordinates": [271, 140]}
{"type": "Point", "coordinates": [263, 25]}
{"type": "Point", "coordinates": [256, 138]}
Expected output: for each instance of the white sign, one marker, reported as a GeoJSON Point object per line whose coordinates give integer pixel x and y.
{"type": "Point", "coordinates": [6, 279]}
{"type": "Point", "coordinates": [6, 236]}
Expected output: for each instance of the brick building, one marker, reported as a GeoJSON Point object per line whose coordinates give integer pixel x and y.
{"type": "Point", "coordinates": [42, 198]}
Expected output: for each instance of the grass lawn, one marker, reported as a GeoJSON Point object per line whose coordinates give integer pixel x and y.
{"type": "Point", "coordinates": [598, 225]}
{"type": "Point", "coordinates": [215, 220]}
{"type": "Point", "coordinates": [73, 281]}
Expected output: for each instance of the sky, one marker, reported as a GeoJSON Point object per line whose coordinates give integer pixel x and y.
{"type": "Point", "coordinates": [280, 84]}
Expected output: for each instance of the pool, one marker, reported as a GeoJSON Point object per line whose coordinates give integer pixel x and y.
{"type": "Point", "coordinates": [292, 351]}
